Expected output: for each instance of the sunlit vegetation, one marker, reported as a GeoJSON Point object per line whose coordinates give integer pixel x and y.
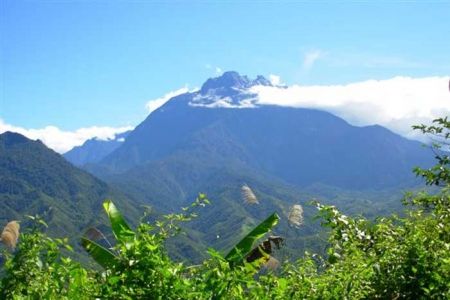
{"type": "Point", "coordinates": [392, 257]}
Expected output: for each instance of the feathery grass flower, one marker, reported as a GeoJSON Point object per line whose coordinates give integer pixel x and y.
{"type": "Point", "coordinates": [248, 195]}
{"type": "Point", "coordinates": [295, 216]}
{"type": "Point", "coordinates": [10, 234]}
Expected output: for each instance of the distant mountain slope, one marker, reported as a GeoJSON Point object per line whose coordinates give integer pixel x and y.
{"type": "Point", "coordinates": [37, 180]}
{"type": "Point", "coordinates": [94, 150]}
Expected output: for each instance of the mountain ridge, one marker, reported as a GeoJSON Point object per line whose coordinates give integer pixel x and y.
{"type": "Point", "coordinates": [36, 180]}
{"type": "Point", "coordinates": [94, 150]}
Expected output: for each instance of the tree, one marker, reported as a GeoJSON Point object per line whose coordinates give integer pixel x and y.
{"type": "Point", "coordinates": [439, 135]}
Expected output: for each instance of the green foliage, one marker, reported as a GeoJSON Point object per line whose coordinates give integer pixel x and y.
{"type": "Point", "coordinates": [100, 254]}
{"type": "Point", "coordinates": [37, 270]}
{"type": "Point", "coordinates": [243, 248]}
{"type": "Point", "coordinates": [439, 134]}
{"type": "Point", "coordinates": [392, 257]}
{"type": "Point", "coordinates": [120, 228]}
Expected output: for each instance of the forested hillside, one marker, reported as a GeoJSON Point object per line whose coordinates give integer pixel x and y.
{"type": "Point", "coordinates": [35, 180]}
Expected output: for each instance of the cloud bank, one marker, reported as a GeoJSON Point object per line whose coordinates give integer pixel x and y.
{"type": "Point", "coordinates": [62, 141]}
{"type": "Point", "coordinates": [396, 103]}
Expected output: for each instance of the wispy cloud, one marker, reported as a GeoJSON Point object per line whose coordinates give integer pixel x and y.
{"type": "Point", "coordinates": [158, 102]}
{"type": "Point", "coordinates": [61, 140]}
{"type": "Point", "coordinates": [396, 103]}
{"type": "Point", "coordinates": [310, 58]}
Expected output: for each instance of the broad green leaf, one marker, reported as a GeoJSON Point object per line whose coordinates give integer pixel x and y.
{"type": "Point", "coordinates": [240, 251]}
{"type": "Point", "coordinates": [100, 254]}
{"type": "Point", "coordinates": [120, 228]}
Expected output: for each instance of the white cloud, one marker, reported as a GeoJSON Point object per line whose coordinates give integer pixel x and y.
{"type": "Point", "coordinates": [275, 79]}
{"type": "Point", "coordinates": [62, 141]}
{"type": "Point", "coordinates": [157, 103]}
{"type": "Point", "coordinates": [310, 58]}
{"type": "Point", "coordinates": [396, 103]}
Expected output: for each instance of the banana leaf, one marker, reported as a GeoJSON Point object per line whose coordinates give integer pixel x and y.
{"type": "Point", "coordinates": [264, 249]}
{"type": "Point", "coordinates": [100, 254]}
{"type": "Point", "coordinates": [244, 247]}
{"type": "Point", "coordinates": [120, 228]}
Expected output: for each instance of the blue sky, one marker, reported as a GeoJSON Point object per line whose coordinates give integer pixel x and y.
{"type": "Point", "coordinates": [74, 64]}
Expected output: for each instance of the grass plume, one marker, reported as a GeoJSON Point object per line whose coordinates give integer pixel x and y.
{"type": "Point", "coordinates": [248, 195]}
{"type": "Point", "coordinates": [10, 234]}
{"type": "Point", "coordinates": [295, 216]}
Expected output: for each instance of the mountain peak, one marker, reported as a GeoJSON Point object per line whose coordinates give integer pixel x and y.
{"type": "Point", "coordinates": [230, 90]}
{"type": "Point", "coordinates": [232, 79]}
{"type": "Point", "coordinates": [9, 138]}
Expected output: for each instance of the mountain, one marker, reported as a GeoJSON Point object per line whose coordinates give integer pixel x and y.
{"type": "Point", "coordinates": [37, 180]}
{"type": "Point", "coordinates": [222, 121]}
{"type": "Point", "coordinates": [94, 150]}
{"type": "Point", "coordinates": [218, 138]}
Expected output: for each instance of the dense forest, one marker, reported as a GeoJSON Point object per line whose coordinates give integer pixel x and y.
{"type": "Point", "coordinates": [390, 257]}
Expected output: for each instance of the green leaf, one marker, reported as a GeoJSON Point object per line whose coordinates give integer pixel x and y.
{"type": "Point", "coordinates": [241, 250]}
{"type": "Point", "coordinates": [101, 255]}
{"type": "Point", "coordinates": [120, 228]}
